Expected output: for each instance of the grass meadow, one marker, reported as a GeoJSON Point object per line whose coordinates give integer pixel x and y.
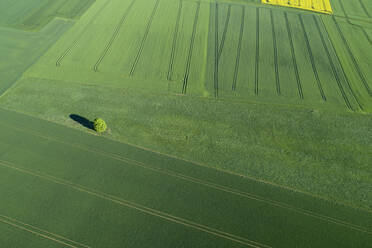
{"type": "Point", "coordinates": [230, 124]}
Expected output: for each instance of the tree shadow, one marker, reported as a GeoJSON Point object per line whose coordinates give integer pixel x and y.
{"type": "Point", "coordinates": [83, 121]}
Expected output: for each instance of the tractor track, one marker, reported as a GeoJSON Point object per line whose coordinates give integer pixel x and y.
{"type": "Point", "coordinates": [75, 42]}
{"type": "Point", "coordinates": [275, 47]}
{"type": "Point", "coordinates": [342, 67]}
{"type": "Point", "coordinates": [174, 43]}
{"type": "Point", "coordinates": [358, 69]}
{"type": "Point", "coordinates": [237, 61]}
{"type": "Point", "coordinates": [294, 60]}
{"type": "Point", "coordinates": [144, 38]}
{"type": "Point", "coordinates": [191, 48]}
{"type": "Point", "coordinates": [333, 67]}
{"type": "Point", "coordinates": [114, 35]}
{"type": "Point", "coordinates": [311, 55]}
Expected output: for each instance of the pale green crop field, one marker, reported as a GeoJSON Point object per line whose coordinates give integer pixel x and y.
{"type": "Point", "coordinates": [230, 124]}
{"type": "Point", "coordinates": [229, 50]}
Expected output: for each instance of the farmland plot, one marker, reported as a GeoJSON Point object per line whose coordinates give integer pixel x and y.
{"type": "Point", "coordinates": [292, 58]}
{"type": "Point", "coordinates": [20, 49]}
{"type": "Point", "coordinates": [220, 49]}
{"type": "Point", "coordinates": [33, 15]}
{"type": "Point", "coordinates": [138, 191]}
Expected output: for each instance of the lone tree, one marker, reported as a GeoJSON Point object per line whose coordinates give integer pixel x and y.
{"type": "Point", "coordinates": [99, 125]}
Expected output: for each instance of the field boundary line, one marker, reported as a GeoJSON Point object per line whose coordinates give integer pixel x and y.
{"type": "Point", "coordinates": [113, 36]}
{"type": "Point", "coordinates": [174, 42]}
{"type": "Point", "coordinates": [144, 38]}
{"type": "Point", "coordinates": [331, 200]}
{"type": "Point", "coordinates": [191, 49]}
{"type": "Point", "coordinates": [226, 26]}
{"type": "Point", "coordinates": [215, 186]}
{"type": "Point", "coordinates": [275, 46]}
{"type": "Point", "coordinates": [341, 66]}
{"type": "Point", "coordinates": [335, 74]}
{"type": "Point", "coordinates": [36, 233]}
{"type": "Point", "coordinates": [257, 57]}
{"type": "Point", "coordinates": [358, 69]}
{"type": "Point", "coordinates": [41, 230]}
{"type": "Point", "coordinates": [294, 60]}
{"type": "Point", "coordinates": [312, 60]}
{"type": "Point", "coordinates": [133, 205]}
{"type": "Point", "coordinates": [238, 52]}
{"type": "Point", "coordinates": [75, 42]}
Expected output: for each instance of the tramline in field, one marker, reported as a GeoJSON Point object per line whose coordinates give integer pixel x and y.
{"type": "Point", "coordinates": [255, 52]}
{"type": "Point", "coordinates": [185, 123]}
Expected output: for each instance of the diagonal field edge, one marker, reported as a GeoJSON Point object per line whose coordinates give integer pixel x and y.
{"type": "Point", "coordinates": [212, 185]}
{"type": "Point", "coordinates": [135, 206]}
{"type": "Point", "coordinates": [18, 222]}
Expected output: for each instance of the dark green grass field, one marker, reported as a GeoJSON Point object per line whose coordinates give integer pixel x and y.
{"type": "Point", "coordinates": [99, 193]}
{"type": "Point", "coordinates": [230, 124]}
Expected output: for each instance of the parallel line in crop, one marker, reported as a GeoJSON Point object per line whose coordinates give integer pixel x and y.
{"type": "Point", "coordinates": [226, 26]}
{"type": "Point", "coordinates": [144, 38]}
{"type": "Point", "coordinates": [342, 67]}
{"type": "Point", "coordinates": [81, 34]}
{"type": "Point", "coordinates": [364, 9]}
{"type": "Point", "coordinates": [237, 61]}
{"type": "Point", "coordinates": [37, 233]}
{"type": "Point", "coordinates": [333, 67]}
{"type": "Point", "coordinates": [294, 60]}
{"type": "Point", "coordinates": [274, 203]}
{"type": "Point", "coordinates": [359, 26]}
{"type": "Point", "coordinates": [195, 180]}
{"type": "Point", "coordinates": [216, 59]}
{"type": "Point", "coordinates": [257, 58]}
{"type": "Point", "coordinates": [174, 42]}
{"type": "Point", "coordinates": [312, 4]}
{"type": "Point", "coordinates": [133, 205]}
{"type": "Point", "coordinates": [359, 70]}
{"type": "Point", "coordinates": [191, 48]}
{"type": "Point", "coordinates": [32, 227]}
{"type": "Point", "coordinates": [277, 80]}
{"type": "Point", "coordinates": [315, 70]}
{"type": "Point", "coordinates": [343, 9]}
{"type": "Point", "coordinates": [114, 35]}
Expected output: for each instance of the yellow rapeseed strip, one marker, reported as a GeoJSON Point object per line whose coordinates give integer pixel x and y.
{"type": "Point", "coordinates": [323, 6]}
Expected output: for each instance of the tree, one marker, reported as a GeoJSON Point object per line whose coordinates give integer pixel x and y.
{"type": "Point", "coordinates": [99, 125]}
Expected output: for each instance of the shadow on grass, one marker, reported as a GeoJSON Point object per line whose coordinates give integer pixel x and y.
{"type": "Point", "coordinates": [83, 121]}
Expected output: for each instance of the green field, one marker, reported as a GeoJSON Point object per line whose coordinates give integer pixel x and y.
{"type": "Point", "coordinates": [230, 124]}
{"type": "Point", "coordinates": [34, 15]}
{"type": "Point", "coordinates": [113, 194]}
{"type": "Point", "coordinates": [259, 51]}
